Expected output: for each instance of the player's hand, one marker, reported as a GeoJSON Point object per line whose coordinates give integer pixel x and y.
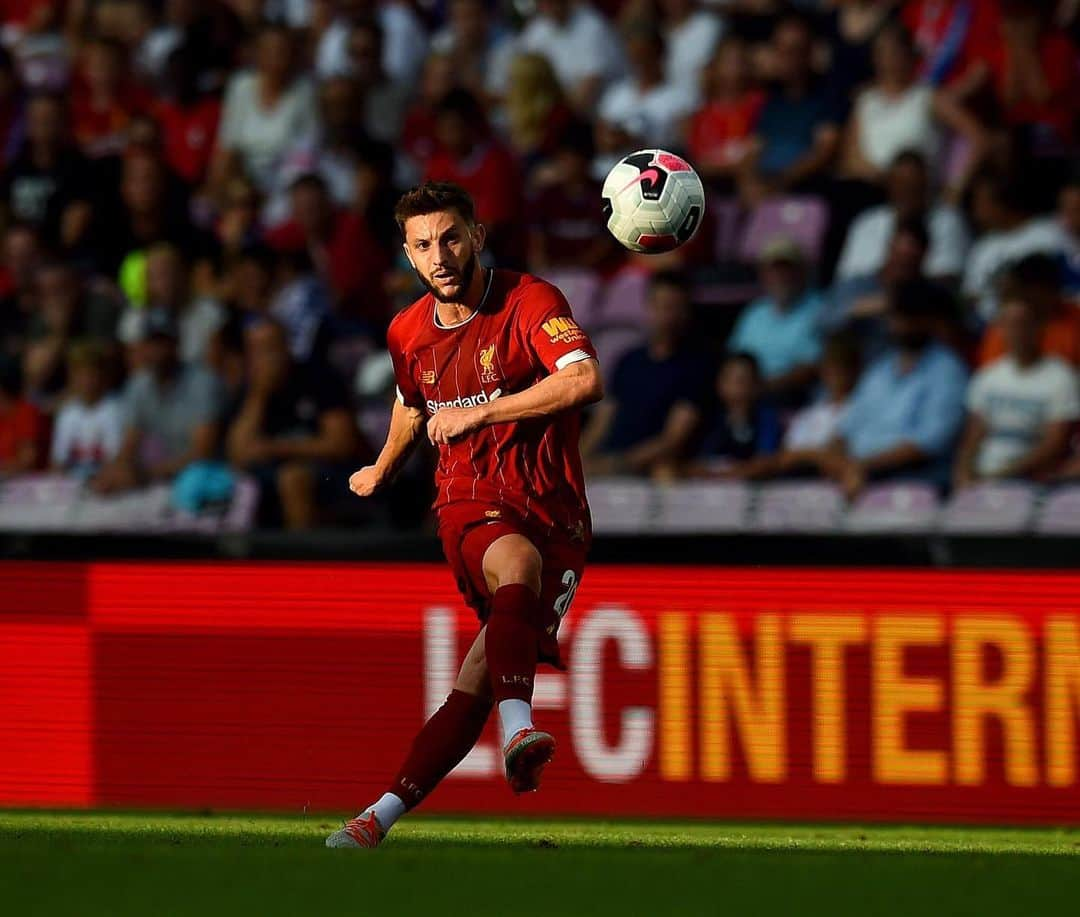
{"type": "Point", "coordinates": [366, 481]}
{"type": "Point", "coordinates": [452, 423]}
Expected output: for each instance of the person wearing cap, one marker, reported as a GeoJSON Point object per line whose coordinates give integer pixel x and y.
{"type": "Point", "coordinates": [173, 412]}
{"type": "Point", "coordinates": [781, 327]}
{"type": "Point", "coordinates": [907, 409]}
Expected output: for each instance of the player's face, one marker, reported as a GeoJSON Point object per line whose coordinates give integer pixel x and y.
{"type": "Point", "coordinates": [443, 250]}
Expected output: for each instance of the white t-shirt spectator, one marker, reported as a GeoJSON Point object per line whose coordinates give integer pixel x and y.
{"type": "Point", "coordinates": [86, 436]}
{"type": "Point", "coordinates": [1016, 405]}
{"type": "Point", "coordinates": [996, 250]}
{"type": "Point", "coordinates": [651, 115]}
{"type": "Point", "coordinates": [585, 46]}
{"type": "Point", "coordinates": [405, 44]}
{"type": "Point", "coordinates": [887, 126]}
{"type": "Point", "coordinates": [867, 242]}
{"type": "Point", "coordinates": [261, 136]}
{"type": "Point", "coordinates": [690, 45]}
{"type": "Point", "coordinates": [814, 427]}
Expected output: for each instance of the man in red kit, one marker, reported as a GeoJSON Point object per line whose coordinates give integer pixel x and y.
{"type": "Point", "coordinates": [493, 369]}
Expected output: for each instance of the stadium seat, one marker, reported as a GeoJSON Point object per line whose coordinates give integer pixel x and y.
{"type": "Point", "coordinates": [612, 345]}
{"type": "Point", "coordinates": [38, 502]}
{"type": "Point", "coordinates": [582, 290]}
{"type": "Point", "coordinates": [699, 506]}
{"type": "Point", "coordinates": [803, 219]}
{"type": "Point", "coordinates": [623, 302]}
{"type": "Point", "coordinates": [798, 506]}
{"type": "Point", "coordinates": [620, 505]}
{"type": "Point", "coordinates": [1061, 512]}
{"type": "Point", "coordinates": [1004, 506]}
{"type": "Point", "coordinates": [908, 506]}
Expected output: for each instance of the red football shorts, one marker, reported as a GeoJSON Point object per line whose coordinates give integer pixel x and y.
{"type": "Point", "coordinates": [467, 530]}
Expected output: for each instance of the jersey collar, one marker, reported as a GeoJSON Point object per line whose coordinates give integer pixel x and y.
{"type": "Point", "coordinates": [475, 312]}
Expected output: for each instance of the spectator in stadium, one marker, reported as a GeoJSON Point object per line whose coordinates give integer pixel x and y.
{"type": "Point", "coordinates": [21, 425]}
{"type": "Point", "coordinates": [566, 219]}
{"type": "Point", "coordinates": [89, 426]}
{"type": "Point", "coordinates": [199, 318]}
{"type": "Point", "coordinates": [1069, 227]}
{"type": "Point", "coordinates": [860, 304]}
{"type": "Point", "coordinates": [49, 183]}
{"type": "Point", "coordinates": [385, 99]}
{"type": "Point", "coordinates": [404, 42]}
{"type": "Point", "coordinates": [417, 140]}
{"type": "Point", "coordinates": [1008, 231]}
{"type": "Point", "coordinates": [719, 132]}
{"type": "Point", "coordinates": [852, 28]}
{"type": "Point", "coordinates": [22, 257]}
{"type": "Point", "coordinates": [471, 156]}
{"type": "Point", "coordinates": [780, 329]}
{"type": "Point", "coordinates": [535, 110]}
{"type": "Point", "coordinates": [645, 106]}
{"type": "Point", "coordinates": [908, 406]}
{"type": "Point", "coordinates": [238, 226]}
{"type": "Point", "coordinates": [909, 197]}
{"type": "Point", "coordinates": [691, 35]}
{"type": "Point", "coordinates": [1036, 281]}
{"type": "Point", "coordinates": [104, 98]}
{"type": "Point", "coordinates": [951, 36]}
{"type": "Point", "coordinates": [798, 129]}
{"type": "Point", "coordinates": [12, 116]}
{"type": "Point", "coordinates": [294, 431]}
{"type": "Point", "coordinates": [265, 110]}
{"type": "Point", "coordinates": [581, 45]}
{"type": "Point", "coordinates": [282, 287]}
{"type": "Point", "coordinates": [188, 116]}
{"type": "Point", "coordinates": [343, 251]}
{"type": "Point", "coordinates": [745, 425]}
{"type": "Point", "coordinates": [654, 404]}
{"type": "Point", "coordinates": [65, 309]}
{"type": "Point", "coordinates": [477, 44]}
{"type": "Point", "coordinates": [1020, 407]}
{"type": "Point", "coordinates": [173, 413]}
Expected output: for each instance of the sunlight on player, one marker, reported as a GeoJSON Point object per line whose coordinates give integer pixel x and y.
{"type": "Point", "coordinates": [493, 368]}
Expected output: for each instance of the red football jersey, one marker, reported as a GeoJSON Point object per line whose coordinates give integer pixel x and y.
{"type": "Point", "coordinates": [522, 332]}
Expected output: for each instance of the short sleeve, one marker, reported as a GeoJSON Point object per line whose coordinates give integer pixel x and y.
{"type": "Point", "coordinates": [976, 400]}
{"type": "Point", "coordinates": [550, 330]}
{"type": "Point", "coordinates": [1065, 399]}
{"type": "Point", "coordinates": [232, 113]}
{"type": "Point", "coordinates": [408, 392]}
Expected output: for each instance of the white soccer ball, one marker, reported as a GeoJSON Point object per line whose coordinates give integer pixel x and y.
{"type": "Point", "coordinates": [653, 201]}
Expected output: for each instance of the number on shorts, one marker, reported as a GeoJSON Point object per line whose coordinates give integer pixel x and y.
{"type": "Point", "coordinates": [562, 603]}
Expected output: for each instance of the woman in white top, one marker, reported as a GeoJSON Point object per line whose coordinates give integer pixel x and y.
{"type": "Point", "coordinates": [266, 110]}
{"type": "Point", "coordinates": [894, 114]}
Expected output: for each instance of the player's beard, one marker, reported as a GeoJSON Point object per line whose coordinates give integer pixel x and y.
{"type": "Point", "coordinates": [467, 273]}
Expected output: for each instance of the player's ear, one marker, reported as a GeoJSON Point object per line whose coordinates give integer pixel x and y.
{"type": "Point", "coordinates": [479, 236]}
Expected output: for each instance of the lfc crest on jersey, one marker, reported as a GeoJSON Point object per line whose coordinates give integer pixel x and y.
{"type": "Point", "coordinates": [487, 364]}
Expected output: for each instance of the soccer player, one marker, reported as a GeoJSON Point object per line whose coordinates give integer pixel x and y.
{"type": "Point", "coordinates": [493, 369]}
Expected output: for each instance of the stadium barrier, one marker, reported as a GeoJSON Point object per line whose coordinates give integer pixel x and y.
{"type": "Point", "coordinates": [913, 695]}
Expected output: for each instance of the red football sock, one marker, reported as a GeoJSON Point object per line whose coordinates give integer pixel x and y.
{"type": "Point", "coordinates": [440, 745]}
{"type": "Point", "coordinates": [511, 642]}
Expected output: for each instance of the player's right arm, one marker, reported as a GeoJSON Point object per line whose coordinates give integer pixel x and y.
{"type": "Point", "coordinates": [406, 427]}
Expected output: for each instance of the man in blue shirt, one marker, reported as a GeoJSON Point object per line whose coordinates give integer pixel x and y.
{"type": "Point", "coordinates": [798, 129]}
{"type": "Point", "coordinates": [908, 407]}
{"type": "Point", "coordinates": [654, 403]}
{"type": "Point", "coordinates": [781, 329]}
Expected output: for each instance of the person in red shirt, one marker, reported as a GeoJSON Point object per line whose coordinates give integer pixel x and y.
{"type": "Point", "coordinates": [188, 118]}
{"type": "Point", "coordinates": [719, 132]}
{"type": "Point", "coordinates": [493, 369]}
{"type": "Point", "coordinates": [468, 155]}
{"type": "Point", "coordinates": [341, 247]}
{"type": "Point", "coordinates": [104, 99]}
{"type": "Point", "coordinates": [952, 36]}
{"type": "Point", "coordinates": [22, 427]}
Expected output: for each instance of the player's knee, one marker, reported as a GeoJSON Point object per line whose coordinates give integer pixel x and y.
{"type": "Point", "coordinates": [523, 565]}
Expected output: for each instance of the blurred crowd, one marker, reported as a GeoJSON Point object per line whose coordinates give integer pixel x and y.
{"type": "Point", "coordinates": [199, 259]}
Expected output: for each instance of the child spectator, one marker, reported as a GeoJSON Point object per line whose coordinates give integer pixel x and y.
{"type": "Point", "coordinates": [744, 425]}
{"type": "Point", "coordinates": [89, 427]}
{"type": "Point", "coordinates": [1020, 407]}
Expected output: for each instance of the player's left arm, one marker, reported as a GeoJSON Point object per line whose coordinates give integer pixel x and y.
{"type": "Point", "coordinates": [573, 386]}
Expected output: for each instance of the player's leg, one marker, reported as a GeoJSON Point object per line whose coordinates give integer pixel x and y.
{"type": "Point", "coordinates": [438, 748]}
{"type": "Point", "coordinates": [512, 568]}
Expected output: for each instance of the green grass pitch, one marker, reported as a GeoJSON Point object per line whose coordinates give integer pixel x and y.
{"type": "Point", "coordinates": [159, 865]}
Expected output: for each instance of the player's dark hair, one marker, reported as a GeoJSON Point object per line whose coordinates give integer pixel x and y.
{"type": "Point", "coordinates": [434, 197]}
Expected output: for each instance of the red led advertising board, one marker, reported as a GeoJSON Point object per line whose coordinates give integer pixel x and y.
{"type": "Point", "coordinates": [691, 691]}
